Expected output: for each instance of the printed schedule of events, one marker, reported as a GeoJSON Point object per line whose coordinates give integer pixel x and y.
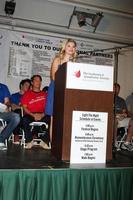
{"type": "Point", "coordinates": [88, 137]}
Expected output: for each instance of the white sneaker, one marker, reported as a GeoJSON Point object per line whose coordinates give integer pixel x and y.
{"type": "Point", "coordinates": [3, 146]}
{"type": "Point", "coordinates": [29, 145]}
{"type": "Point", "coordinates": [127, 147]}
{"type": "Point", "coordinates": [44, 145]}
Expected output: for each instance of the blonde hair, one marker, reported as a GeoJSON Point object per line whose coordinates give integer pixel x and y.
{"type": "Point", "coordinates": [62, 50]}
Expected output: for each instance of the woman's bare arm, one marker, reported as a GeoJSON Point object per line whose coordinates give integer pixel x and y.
{"type": "Point", "coordinates": [54, 67]}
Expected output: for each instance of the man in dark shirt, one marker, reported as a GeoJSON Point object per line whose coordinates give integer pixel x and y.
{"type": "Point", "coordinates": [15, 100]}
{"type": "Point", "coordinates": [122, 119]}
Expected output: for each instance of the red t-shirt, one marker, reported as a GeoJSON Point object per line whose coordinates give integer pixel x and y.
{"type": "Point", "coordinates": [34, 101]}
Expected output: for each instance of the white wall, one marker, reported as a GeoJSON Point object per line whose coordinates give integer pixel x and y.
{"type": "Point", "coordinates": [114, 26]}
{"type": "Point", "coordinates": [125, 72]}
{"type": "Point", "coordinates": [41, 11]}
{"type": "Point", "coordinates": [123, 5]}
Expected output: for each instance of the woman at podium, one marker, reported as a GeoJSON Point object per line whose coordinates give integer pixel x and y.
{"type": "Point", "coordinates": [67, 53]}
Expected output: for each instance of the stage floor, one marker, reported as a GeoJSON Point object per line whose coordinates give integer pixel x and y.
{"type": "Point", "coordinates": [16, 157]}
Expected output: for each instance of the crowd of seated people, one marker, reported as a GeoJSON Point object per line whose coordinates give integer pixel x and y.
{"type": "Point", "coordinates": [30, 101]}
{"type": "Point", "coordinates": [123, 118]}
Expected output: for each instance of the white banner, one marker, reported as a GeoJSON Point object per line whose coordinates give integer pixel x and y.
{"type": "Point", "coordinates": [89, 136]}
{"type": "Point", "coordinates": [28, 54]}
{"type": "Point", "coordinates": [89, 77]}
{"type": "Point", "coordinates": [31, 55]}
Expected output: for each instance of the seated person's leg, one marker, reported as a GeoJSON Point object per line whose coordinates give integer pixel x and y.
{"type": "Point", "coordinates": [45, 138]}
{"type": "Point", "coordinates": [127, 144]}
{"type": "Point", "coordinates": [27, 119]}
{"type": "Point", "coordinates": [130, 131]}
{"type": "Point", "coordinates": [12, 120]}
{"type": "Point", "coordinates": [16, 133]}
{"type": "Point", "coordinates": [17, 130]}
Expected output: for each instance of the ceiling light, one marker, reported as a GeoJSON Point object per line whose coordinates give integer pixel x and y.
{"type": "Point", "coordinates": [10, 7]}
{"type": "Point", "coordinates": [94, 18]}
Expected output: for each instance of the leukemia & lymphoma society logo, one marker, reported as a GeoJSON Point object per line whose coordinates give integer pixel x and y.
{"type": "Point", "coordinates": [77, 74]}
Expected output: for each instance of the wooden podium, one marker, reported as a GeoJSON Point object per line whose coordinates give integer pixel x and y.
{"type": "Point", "coordinates": [65, 101]}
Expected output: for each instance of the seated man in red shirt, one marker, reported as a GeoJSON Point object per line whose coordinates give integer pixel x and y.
{"type": "Point", "coordinates": [33, 102]}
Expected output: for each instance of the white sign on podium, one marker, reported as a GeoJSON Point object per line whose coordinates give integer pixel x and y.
{"type": "Point", "coordinates": [88, 138]}
{"type": "Point", "coordinates": [89, 77]}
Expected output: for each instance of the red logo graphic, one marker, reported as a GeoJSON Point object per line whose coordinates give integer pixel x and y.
{"type": "Point", "coordinates": [78, 73]}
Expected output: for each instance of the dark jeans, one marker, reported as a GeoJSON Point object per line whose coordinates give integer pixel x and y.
{"type": "Point", "coordinates": [12, 119]}
{"type": "Point", "coordinates": [17, 130]}
{"type": "Point", "coordinates": [27, 119]}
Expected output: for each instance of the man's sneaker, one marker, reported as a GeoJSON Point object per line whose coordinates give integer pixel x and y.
{"type": "Point", "coordinates": [16, 139]}
{"type": "Point", "coordinates": [44, 145]}
{"type": "Point", "coordinates": [127, 147]}
{"type": "Point", "coordinates": [3, 146]}
{"type": "Point", "coordinates": [29, 145]}
{"type": "Point", "coordinates": [117, 146]}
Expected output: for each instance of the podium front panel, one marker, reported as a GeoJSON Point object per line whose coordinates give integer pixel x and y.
{"type": "Point", "coordinates": [69, 100]}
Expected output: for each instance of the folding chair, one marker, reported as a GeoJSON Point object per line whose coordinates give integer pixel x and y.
{"type": "Point", "coordinates": [2, 126]}
{"type": "Point", "coordinates": [122, 130]}
{"type": "Point", "coordinates": [42, 130]}
{"type": "Point", "coordinates": [121, 136]}
{"type": "Point", "coordinates": [22, 135]}
{"type": "Point", "coordinates": [21, 131]}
